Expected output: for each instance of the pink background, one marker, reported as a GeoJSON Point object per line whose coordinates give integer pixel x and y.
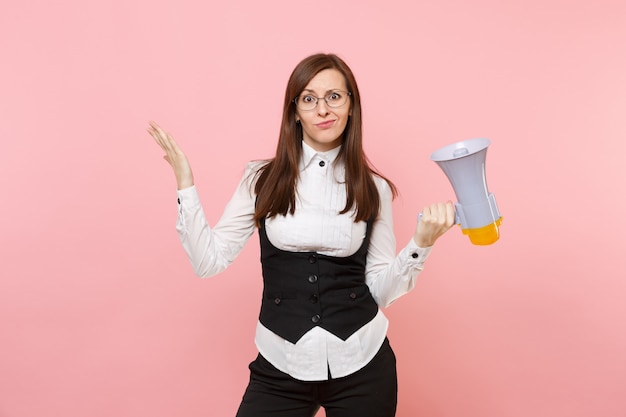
{"type": "Point", "coordinates": [100, 313]}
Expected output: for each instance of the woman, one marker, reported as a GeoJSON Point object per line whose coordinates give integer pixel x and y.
{"type": "Point", "coordinates": [328, 253]}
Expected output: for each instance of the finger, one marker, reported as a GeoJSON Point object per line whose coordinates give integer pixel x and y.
{"type": "Point", "coordinates": [165, 140]}
{"type": "Point", "coordinates": [161, 133]}
{"type": "Point", "coordinates": [158, 139]}
{"type": "Point", "coordinates": [450, 214]}
{"type": "Point", "coordinates": [426, 213]}
{"type": "Point", "coordinates": [437, 209]}
{"type": "Point", "coordinates": [153, 129]}
{"type": "Point", "coordinates": [155, 136]}
{"type": "Point", "coordinates": [173, 145]}
{"type": "Point", "coordinates": [438, 214]}
{"type": "Point", "coordinates": [154, 126]}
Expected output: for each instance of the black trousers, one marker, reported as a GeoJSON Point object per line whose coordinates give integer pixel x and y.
{"type": "Point", "coordinates": [370, 392]}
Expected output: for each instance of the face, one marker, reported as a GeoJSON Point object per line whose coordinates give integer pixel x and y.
{"type": "Point", "coordinates": [322, 127]}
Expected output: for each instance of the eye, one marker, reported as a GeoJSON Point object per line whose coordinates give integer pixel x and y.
{"type": "Point", "coordinates": [335, 96]}
{"type": "Point", "coordinates": [308, 99]}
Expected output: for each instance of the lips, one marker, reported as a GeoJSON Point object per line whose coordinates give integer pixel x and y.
{"type": "Point", "coordinates": [326, 124]}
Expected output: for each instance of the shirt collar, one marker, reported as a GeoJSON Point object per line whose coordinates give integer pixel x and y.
{"type": "Point", "coordinates": [309, 154]}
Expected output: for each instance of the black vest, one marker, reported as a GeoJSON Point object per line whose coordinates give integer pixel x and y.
{"type": "Point", "coordinates": [306, 289]}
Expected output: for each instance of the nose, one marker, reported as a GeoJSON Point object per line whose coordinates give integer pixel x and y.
{"type": "Point", "coordinates": [322, 108]}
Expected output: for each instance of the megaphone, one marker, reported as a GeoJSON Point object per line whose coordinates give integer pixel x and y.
{"type": "Point", "coordinates": [476, 210]}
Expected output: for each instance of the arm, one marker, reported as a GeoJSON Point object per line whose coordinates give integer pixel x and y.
{"type": "Point", "coordinates": [388, 275]}
{"type": "Point", "coordinates": [210, 251]}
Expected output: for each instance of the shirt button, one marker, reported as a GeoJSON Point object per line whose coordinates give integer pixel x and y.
{"type": "Point", "coordinates": [312, 259]}
{"type": "Point", "coordinates": [313, 298]}
{"type": "Point", "coordinates": [322, 163]}
{"type": "Point", "coordinates": [415, 255]}
{"type": "Point", "coordinates": [276, 300]}
{"type": "Point", "coordinates": [353, 295]}
{"type": "Point", "coordinates": [316, 318]}
{"type": "Point", "coordinates": [179, 201]}
{"type": "Point", "coordinates": [312, 279]}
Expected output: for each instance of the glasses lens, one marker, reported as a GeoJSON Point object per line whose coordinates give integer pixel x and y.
{"type": "Point", "coordinates": [306, 102]}
{"type": "Point", "coordinates": [337, 98]}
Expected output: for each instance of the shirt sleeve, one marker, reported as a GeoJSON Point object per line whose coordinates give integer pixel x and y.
{"type": "Point", "coordinates": [389, 276]}
{"type": "Point", "coordinates": [212, 250]}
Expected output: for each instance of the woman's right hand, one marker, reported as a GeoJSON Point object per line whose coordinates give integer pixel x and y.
{"type": "Point", "coordinates": [173, 155]}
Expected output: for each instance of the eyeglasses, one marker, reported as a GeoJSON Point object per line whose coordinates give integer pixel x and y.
{"type": "Point", "coordinates": [333, 99]}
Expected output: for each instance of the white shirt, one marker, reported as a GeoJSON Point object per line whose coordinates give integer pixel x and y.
{"type": "Point", "coordinates": [317, 226]}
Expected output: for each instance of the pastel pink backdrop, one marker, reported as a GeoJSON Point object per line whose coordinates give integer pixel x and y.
{"type": "Point", "coordinates": [100, 314]}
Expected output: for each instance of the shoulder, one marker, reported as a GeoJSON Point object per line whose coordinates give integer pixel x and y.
{"type": "Point", "coordinates": [384, 189]}
{"type": "Point", "coordinates": [253, 167]}
{"type": "Point", "coordinates": [252, 171]}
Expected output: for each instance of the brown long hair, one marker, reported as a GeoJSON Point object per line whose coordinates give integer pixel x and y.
{"type": "Point", "coordinates": [276, 181]}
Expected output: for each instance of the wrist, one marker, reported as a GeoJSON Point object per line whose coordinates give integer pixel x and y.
{"type": "Point", "coordinates": [421, 242]}
{"type": "Point", "coordinates": [182, 184]}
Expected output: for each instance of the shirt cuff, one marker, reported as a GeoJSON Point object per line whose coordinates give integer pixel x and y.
{"type": "Point", "coordinates": [188, 196]}
{"type": "Point", "coordinates": [416, 255]}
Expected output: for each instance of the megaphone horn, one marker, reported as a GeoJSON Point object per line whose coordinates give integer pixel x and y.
{"type": "Point", "coordinates": [464, 165]}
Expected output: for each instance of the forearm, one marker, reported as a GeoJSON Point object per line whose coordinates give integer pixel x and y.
{"type": "Point", "coordinates": [390, 274]}
{"type": "Point", "coordinates": [390, 277]}
{"type": "Point", "coordinates": [196, 236]}
{"type": "Point", "coordinates": [212, 250]}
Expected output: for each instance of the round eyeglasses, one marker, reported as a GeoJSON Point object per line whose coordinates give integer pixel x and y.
{"type": "Point", "coordinates": [333, 99]}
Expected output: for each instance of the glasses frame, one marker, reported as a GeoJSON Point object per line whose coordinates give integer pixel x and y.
{"type": "Point", "coordinates": [325, 98]}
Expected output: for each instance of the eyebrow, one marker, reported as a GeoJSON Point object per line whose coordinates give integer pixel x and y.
{"type": "Point", "coordinates": [327, 91]}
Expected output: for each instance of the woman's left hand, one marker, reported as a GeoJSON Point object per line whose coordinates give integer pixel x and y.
{"type": "Point", "coordinates": [435, 220]}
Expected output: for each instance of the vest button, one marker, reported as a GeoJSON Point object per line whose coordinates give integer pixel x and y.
{"type": "Point", "coordinates": [353, 295]}
{"type": "Point", "coordinates": [316, 318]}
{"type": "Point", "coordinates": [312, 279]}
{"type": "Point", "coordinates": [312, 259]}
{"type": "Point", "coordinates": [313, 298]}
{"type": "Point", "coordinates": [276, 300]}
